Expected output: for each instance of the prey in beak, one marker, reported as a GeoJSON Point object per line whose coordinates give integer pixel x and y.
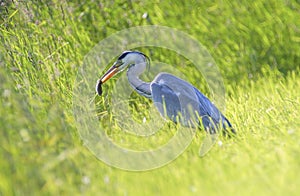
{"type": "Point", "coordinates": [110, 73]}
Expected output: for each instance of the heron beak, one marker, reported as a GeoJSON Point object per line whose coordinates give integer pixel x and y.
{"type": "Point", "coordinates": [110, 73]}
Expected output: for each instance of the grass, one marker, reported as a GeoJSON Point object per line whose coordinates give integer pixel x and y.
{"type": "Point", "coordinates": [255, 44]}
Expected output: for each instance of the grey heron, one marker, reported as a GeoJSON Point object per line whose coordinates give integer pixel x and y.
{"type": "Point", "coordinates": [174, 98]}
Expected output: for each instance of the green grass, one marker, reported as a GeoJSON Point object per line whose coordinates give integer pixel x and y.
{"type": "Point", "coordinates": [255, 44]}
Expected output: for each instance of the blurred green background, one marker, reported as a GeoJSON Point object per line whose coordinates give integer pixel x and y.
{"type": "Point", "coordinates": [256, 45]}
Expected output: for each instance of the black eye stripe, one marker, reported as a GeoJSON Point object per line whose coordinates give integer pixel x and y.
{"type": "Point", "coordinates": [123, 55]}
{"type": "Point", "coordinates": [127, 52]}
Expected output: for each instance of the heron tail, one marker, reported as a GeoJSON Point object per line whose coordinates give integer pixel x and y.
{"type": "Point", "coordinates": [227, 127]}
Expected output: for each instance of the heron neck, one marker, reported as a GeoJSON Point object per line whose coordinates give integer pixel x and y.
{"type": "Point", "coordinates": [140, 86]}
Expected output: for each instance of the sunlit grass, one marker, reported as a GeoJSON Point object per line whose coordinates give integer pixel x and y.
{"type": "Point", "coordinates": [256, 46]}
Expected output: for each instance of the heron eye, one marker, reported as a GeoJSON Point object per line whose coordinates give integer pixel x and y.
{"type": "Point", "coordinates": [118, 63]}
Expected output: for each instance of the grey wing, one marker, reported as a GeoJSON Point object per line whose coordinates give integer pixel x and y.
{"type": "Point", "coordinates": [180, 97]}
{"type": "Point", "coordinates": [175, 97]}
{"type": "Point", "coordinates": [166, 101]}
{"type": "Point", "coordinates": [212, 118]}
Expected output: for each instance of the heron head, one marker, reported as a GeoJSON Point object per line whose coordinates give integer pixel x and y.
{"type": "Point", "coordinates": [124, 60]}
